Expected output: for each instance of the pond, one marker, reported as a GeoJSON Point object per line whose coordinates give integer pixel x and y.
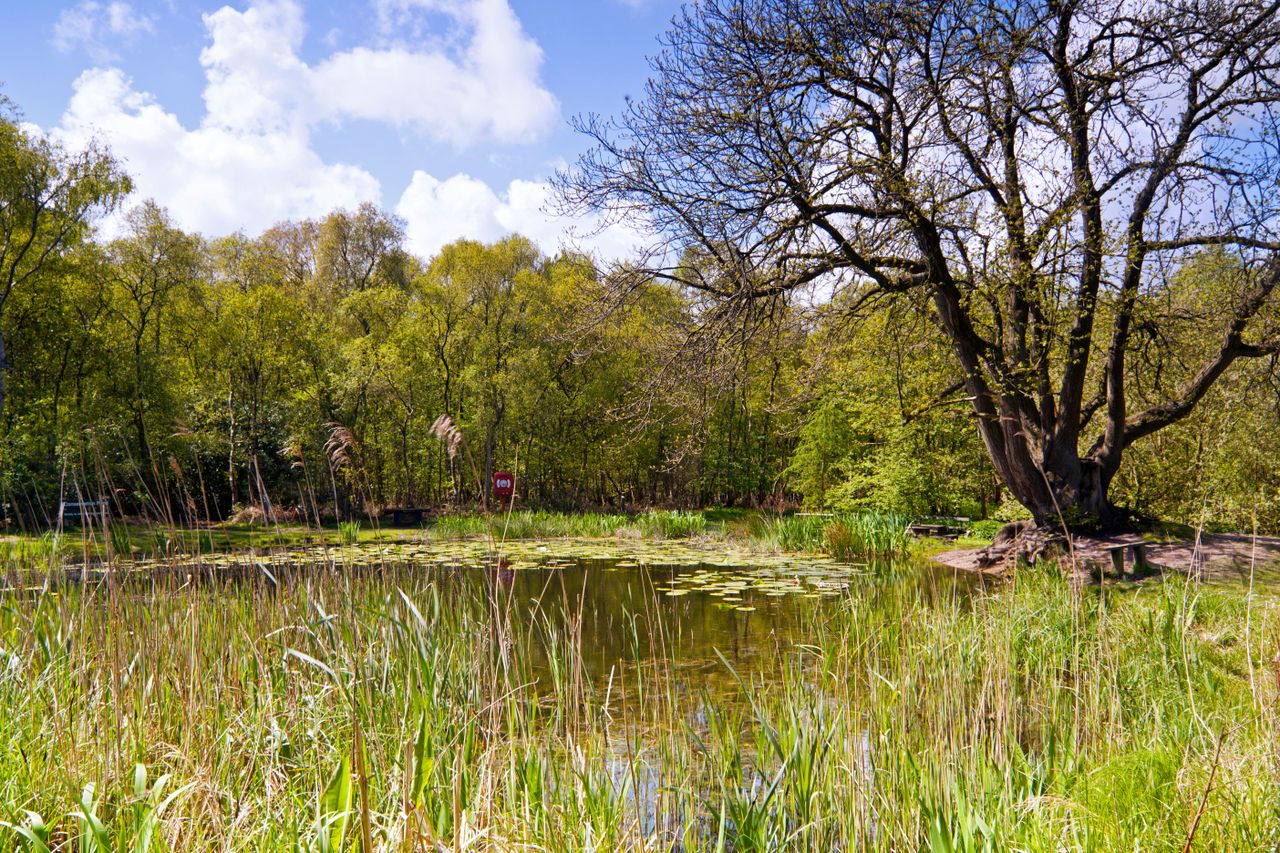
{"type": "Point", "coordinates": [705, 610]}
{"type": "Point", "coordinates": [613, 694]}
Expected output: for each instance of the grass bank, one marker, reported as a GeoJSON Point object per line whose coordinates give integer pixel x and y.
{"type": "Point", "coordinates": [353, 708]}
{"type": "Point", "coordinates": [844, 536]}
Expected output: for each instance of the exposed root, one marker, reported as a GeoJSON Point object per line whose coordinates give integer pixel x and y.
{"type": "Point", "coordinates": [1023, 541]}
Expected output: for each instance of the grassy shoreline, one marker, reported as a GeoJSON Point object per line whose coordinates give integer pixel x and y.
{"type": "Point", "coordinates": [376, 705]}
{"type": "Point", "coordinates": [1033, 715]}
{"type": "Point", "coordinates": [854, 533]}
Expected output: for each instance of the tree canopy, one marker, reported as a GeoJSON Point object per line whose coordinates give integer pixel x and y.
{"type": "Point", "coordinates": [47, 196]}
{"type": "Point", "coordinates": [1029, 175]}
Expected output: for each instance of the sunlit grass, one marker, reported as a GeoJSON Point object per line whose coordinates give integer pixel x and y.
{"type": "Point", "coordinates": [844, 536]}
{"type": "Point", "coordinates": [341, 704]}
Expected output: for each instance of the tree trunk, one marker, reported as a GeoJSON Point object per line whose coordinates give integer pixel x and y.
{"type": "Point", "coordinates": [4, 372]}
{"type": "Point", "coordinates": [1050, 479]}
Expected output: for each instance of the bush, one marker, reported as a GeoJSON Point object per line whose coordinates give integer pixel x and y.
{"type": "Point", "coordinates": [674, 524]}
{"type": "Point", "coordinates": [1010, 510]}
{"type": "Point", "coordinates": [986, 528]}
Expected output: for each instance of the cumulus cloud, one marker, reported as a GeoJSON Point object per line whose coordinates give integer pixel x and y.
{"type": "Point", "coordinates": [438, 212]}
{"type": "Point", "coordinates": [215, 179]}
{"type": "Point", "coordinates": [96, 26]}
{"type": "Point", "coordinates": [480, 82]}
{"type": "Point", "coordinates": [251, 161]}
{"type": "Point", "coordinates": [476, 79]}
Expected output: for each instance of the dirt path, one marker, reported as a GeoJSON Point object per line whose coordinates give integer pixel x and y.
{"type": "Point", "coordinates": [1214, 555]}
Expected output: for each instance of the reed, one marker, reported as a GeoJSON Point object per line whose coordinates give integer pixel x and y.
{"type": "Point", "coordinates": [354, 705]}
{"type": "Point", "coordinates": [348, 532]}
{"type": "Point", "coordinates": [845, 536]}
{"type": "Point", "coordinates": [674, 524]}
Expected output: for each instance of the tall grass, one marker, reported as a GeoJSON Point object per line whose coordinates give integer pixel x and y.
{"type": "Point", "coordinates": [844, 536]}
{"type": "Point", "coordinates": [793, 532]}
{"type": "Point", "coordinates": [674, 524]}
{"type": "Point", "coordinates": [33, 551]}
{"type": "Point", "coordinates": [348, 532]}
{"type": "Point", "coordinates": [542, 524]}
{"type": "Point", "coordinates": [352, 707]}
{"type": "Point", "coordinates": [868, 534]}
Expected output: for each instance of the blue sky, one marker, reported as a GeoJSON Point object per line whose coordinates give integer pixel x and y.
{"type": "Point", "coordinates": [234, 115]}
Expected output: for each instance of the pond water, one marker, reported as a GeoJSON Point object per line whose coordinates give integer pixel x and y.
{"type": "Point", "coordinates": [703, 609]}
{"type": "Point", "coordinates": [631, 658]}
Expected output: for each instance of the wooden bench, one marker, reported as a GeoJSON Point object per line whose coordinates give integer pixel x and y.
{"type": "Point", "coordinates": [404, 516]}
{"type": "Point", "coordinates": [1119, 566]}
{"type": "Point", "coordinates": [78, 511]}
{"type": "Point", "coordinates": [947, 528]}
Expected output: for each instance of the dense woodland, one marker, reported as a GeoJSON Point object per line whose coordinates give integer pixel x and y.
{"type": "Point", "coordinates": [298, 375]}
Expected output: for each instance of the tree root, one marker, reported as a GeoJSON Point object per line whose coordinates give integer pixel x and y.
{"type": "Point", "coordinates": [1023, 541]}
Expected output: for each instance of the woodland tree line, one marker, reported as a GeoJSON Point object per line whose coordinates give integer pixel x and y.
{"type": "Point", "coordinates": [189, 378]}
{"type": "Point", "coordinates": [298, 374]}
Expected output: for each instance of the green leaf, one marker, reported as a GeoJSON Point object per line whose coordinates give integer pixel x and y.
{"type": "Point", "coordinates": [335, 807]}
{"type": "Point", "coordinates": [35, 832]}
{"type": "Point", "coordinates": [422, 763]}
{"type": "Point", "coordinates": [93, 834]}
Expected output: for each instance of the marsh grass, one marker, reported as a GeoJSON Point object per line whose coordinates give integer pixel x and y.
{"type": "Point", "coordinates": [792, 532]}
{"type": "Point", "coordinates": [343, 706]}
{"type": "Point", "coordinates": [869, 534]}
{"type": "Point", "coordinates": [27, 551]}
{"type": "Point", "coordinates": [348, 532]}
{"type": "Point", "coordinates": [846, 536]}
{"type": "Point", "coordinates": [674, 524]}
{"type": "Point", "coordinates": [542, 524]}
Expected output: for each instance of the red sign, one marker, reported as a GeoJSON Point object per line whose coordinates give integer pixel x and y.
{"type": "Point", "coordinates": [504, 483]}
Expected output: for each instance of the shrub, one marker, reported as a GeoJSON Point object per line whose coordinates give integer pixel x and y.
{"type": "Point", "coordinates": [348, 532]}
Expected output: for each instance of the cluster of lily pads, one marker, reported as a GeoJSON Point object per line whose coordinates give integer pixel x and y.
{"type": "Point", "coordinates": [734, 588]}
{"type": "Point", "coordinates": [702, 567]}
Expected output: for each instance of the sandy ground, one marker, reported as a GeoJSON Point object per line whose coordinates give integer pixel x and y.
{"type": "Point", "coordinates": [1214, 555]}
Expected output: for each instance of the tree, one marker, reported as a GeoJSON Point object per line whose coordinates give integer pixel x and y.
{"type": "Point", "coordinates": [498, 281]}
{"type": "Point", "coordinates": [1034, 170]}
{"type": "Point", "coordinates": [47, 197]}
{"type": "Point", "coordinates": [148, 266]}
{"type": "Point", "coordinates": [882, 434]}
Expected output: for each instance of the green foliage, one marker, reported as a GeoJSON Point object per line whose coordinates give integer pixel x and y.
{"type": "Point", "coordinates": [1010, 510]}
{"type": "Point", "coordinates": [886, 433]}
{"type": "Point", "coordinates": [120, 539]}
{"type": "Point", "coordinates": [333, 811]}
{"type": "Point", "coordinates": [818, 463]}
{"type": "Point", "coordinates": [868, 534]}
{"type": "Point", "coordinates": [794, 532]}
{"type": "Point", "coordinates": [978, 715]}
{"type": "Point", "coordinates": [986, 528]}
{"type": "Point", "coordinates": [33, 552]}
{"type": "Point", "coordinates": [673, 524]}
{"type": "Point", "coordinates": [845, 536]}
{"type": "Point", "coordinates": [136, 836]}
{"type": "Point", "coordinates": [348, 532]}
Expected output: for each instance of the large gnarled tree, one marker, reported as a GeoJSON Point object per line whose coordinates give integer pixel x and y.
{"type": "Point", "coordinates": [1030, 173]}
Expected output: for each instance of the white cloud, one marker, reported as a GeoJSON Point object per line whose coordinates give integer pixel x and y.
{"type": "Point", "coordinates": [438, 212]}
{"type": "Point", "coordinates": [479, 79]}
{"type": "Point", "coordinates": [251, 161]}
{"type": "Point", "coordinates": [93, 26]}
{"type": "Point", "coordinates": [216, 178]}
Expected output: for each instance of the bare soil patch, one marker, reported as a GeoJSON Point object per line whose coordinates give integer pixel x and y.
{"type": "Point", "coordinates": [1211, 555]}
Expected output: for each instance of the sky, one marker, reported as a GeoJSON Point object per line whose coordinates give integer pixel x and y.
{"type": "Point", "coordinates": [236, 115]}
